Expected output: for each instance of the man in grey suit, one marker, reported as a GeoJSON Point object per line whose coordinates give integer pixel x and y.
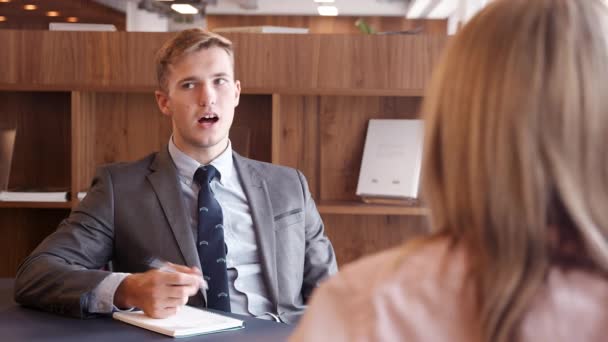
{"type": "Point", "coordinates": [277, 251]}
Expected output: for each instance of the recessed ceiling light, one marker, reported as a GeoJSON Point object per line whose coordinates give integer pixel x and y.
{"type": "Point", "coordinates": [5, 0]}
{"type": "Point", "coordinates": [184, 8]}
{"type": "Point", "coordinates": [2, 18]}
{"type": "Point", "coordinates": [30, 7]}
{"type": "Point", "coordinates": [328, 10]}
{"type": "Point", "coordinates": [72, 19]}
{"type": "Point", "coordinates": [52, 14]}
{"type": "Point", "coordinates": [324, 1]}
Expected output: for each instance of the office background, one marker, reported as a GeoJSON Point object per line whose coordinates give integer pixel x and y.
{"type": "Point", "coordinates": [81, 99]}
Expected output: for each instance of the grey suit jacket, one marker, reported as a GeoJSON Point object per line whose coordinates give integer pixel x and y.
{"type": "Point", "coordinates": [134, 211]}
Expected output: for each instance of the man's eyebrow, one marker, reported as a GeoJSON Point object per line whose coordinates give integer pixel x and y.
{"type": "Point", "coordinates": [188, 79]}
{"type": "Point", "coordinates": [221, 74]}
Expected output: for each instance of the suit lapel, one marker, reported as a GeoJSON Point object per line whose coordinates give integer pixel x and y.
{"type": "Point", "coordinates": [165, 182]}
{"type": "Point", "coordinates": [256, 191]}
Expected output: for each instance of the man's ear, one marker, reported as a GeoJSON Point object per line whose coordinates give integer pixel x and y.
{"type": "Point", "coordinates": [162, 99]}
{"type": "Point", "coordinates": [237, 91]}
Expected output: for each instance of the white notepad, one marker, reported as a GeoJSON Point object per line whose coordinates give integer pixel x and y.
{"type": "Point", "coordinates": [188, 321]}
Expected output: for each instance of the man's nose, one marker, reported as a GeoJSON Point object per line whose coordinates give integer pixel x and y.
{"type": "Point", "coordinates": [207, 96]}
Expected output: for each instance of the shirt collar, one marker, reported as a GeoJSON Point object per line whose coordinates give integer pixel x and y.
{"type": "Point", "coordinates": [187, 166]}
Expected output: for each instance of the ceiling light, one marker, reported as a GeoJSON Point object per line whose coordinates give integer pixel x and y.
{"type": "Point", "coordinates": [2, 18]}
{"type": "Point", "coordinates": [419, 8]}
{"type": "Point", "coordinates": [443, 10]}
{"type": "Point", "coordinates": [52, 14]}
{"type": "Point", "coordinates": [5, 0]}
{"type": "Point", "coordinates": [328, 10]}
{"type": "Point", "coordinates": [324, 1]}
{"type": "Point", "coordinates": [30, 7]}
{"type": "Point", "coordinates": [72, 19]}
{"type": "Point", "coordinates": [184, 8]}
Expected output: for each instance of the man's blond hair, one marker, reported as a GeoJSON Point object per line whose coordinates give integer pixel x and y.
{"type": "Point", "coordinates": [186, 42]}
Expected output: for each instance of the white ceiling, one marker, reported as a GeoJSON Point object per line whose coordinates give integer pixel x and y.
{"type": "Point", "coordinates": [293, 7]}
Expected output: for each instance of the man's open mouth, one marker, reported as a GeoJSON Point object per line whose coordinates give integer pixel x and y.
{"type": "Point", "coordinates": [209, 118]}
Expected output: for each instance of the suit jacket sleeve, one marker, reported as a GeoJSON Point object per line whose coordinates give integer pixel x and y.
{"type": "Point", "coordinates": [320, 260]}
{"type": "Point", "coordinates": [62, 271]}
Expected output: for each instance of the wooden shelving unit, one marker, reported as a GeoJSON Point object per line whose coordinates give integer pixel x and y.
{"type": "Point", "coordinates": [358, 208]}
{"type": "Point", "coordinates": [41, 205]}
{"type": "Point", "coordinates": [306, 102]}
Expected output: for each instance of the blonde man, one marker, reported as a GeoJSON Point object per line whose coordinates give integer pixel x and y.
{"type": "Point", "coordinates": [516, 179]}
{"type": "Point", "coordinates": [251, 227]}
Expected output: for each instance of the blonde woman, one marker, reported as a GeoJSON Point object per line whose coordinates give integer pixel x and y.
{"type": "Point", "coordinates": [516, 178]}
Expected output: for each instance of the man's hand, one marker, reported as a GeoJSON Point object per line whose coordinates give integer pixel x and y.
{"type": "Point", "coordinates": [159, 293]}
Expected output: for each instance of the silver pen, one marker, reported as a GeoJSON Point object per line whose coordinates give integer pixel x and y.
{"type": "Point", "coordinates": [163, 266]}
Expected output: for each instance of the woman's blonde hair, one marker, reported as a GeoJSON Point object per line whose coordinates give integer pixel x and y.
{"type": "Point", "coordinates": [516, 150]}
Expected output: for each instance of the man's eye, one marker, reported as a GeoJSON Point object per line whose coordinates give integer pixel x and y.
{"type": "Point", "coordinates": [221, 81]}
{"type": "Point", "coordinates": [188, 85]}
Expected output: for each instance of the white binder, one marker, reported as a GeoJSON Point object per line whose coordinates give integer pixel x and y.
{"type": "Point", "coordinates": [392, 159]}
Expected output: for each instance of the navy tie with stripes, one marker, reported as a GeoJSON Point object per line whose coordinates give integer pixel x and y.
{"type": "Point", "coordinates": [211, 245]}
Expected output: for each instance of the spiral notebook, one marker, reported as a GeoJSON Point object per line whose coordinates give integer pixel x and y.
{"type": "Point", "coordinates": [188, 321]}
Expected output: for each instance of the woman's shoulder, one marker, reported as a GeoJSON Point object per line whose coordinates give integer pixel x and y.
{"type": "Point", "coordinates": [569, 298]}
{"type": "Point", "coordinates": [427, 274]}
{"type": "Point", "coordinates": [404, 293]}
{"type": "Point", "coordinates": [419, 259]}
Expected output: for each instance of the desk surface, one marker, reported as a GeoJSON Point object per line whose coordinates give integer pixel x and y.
{"type": "Point", "coordinates": [22, 324]}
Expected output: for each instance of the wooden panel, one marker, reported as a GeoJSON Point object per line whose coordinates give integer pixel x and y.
{"type": "Point", "coordinates": [41, 158]}
{"type": "Point", "coordinates": [376, 62]}
{"type": "Point", "coordinates": [79, 60]}
{"type": "Point", "coordinates": [87, 11]}
{"type": "Point", "coordinates": [298, 137]}
{"type": "Point", "coordinates": [343, 125]}
{"type": "Point", "coordinates": [255, 112]}
{"type": "Point", "coordinates": [317, 24]}
{"type": "Point", "coordinates": [276, 60]}
{"type": "Point", "coordinates": [22, 230]}
{"type": "Point", "coordinates": [83, 146]}
{"type": "Point", "coordinates": [277, 63]}
{"type": "Point", "coordinates": [356, 236]}
{"type": "Point", "coordinates": [128, 126]}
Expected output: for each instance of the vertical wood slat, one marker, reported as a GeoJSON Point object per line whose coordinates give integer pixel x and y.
{"type": "Point", "coordinates": [83, 144]}
{"type": "Point", "coordinates": [276, 129]}
{"type": "Point", "coordinates": [298, 137]}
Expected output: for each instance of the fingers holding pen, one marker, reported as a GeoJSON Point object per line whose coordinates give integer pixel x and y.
{"type": "Point", "coordinates": [158, 293]}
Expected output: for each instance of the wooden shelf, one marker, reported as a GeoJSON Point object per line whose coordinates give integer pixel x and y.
{"type": "Point", "coordinates": [358, 208]}
{"type": "Point", "coordinates": [417, 92]}
{"type": "Point", "coordinates": [39, 205]}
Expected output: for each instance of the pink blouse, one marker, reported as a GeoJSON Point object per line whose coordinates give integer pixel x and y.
{"type": "Point", "coordinates": [420, 296]}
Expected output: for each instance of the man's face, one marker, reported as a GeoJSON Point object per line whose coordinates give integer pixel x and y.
{"type": "Point", "coordinates": [200, 97]}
